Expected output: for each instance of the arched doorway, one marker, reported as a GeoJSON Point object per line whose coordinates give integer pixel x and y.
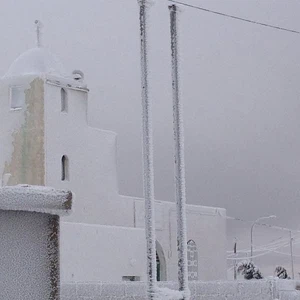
{"type": "Point", "coordinates": [161, 267]}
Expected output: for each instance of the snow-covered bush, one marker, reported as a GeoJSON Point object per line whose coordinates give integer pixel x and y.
{"type": "Point", "coordinates": [249, 270]}
{"type": "Point", "coordinates": [281, 273]}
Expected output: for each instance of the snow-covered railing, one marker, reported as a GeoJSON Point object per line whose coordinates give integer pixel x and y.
{"type": "Point", "coordinates": [29, 234]}
{"type": "Point", "coordinates": [270, 289]}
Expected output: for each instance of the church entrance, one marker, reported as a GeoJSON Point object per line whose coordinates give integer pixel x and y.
{"type": "Point", "coordinates": [157, 268]}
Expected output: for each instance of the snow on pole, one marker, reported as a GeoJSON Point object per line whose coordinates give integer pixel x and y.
{"type": "Point", "coordinates": [147, 157]}
{"type": "Point", "coordinates": [179, 161]}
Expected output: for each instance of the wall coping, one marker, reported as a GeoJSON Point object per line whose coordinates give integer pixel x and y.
{"type": "Point", "coordinates": [36, 199]}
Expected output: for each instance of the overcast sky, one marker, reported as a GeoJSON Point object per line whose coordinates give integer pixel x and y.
{"type": "Point", "coordinates": [240, 89]}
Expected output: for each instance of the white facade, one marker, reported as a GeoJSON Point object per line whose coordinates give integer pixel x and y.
{"type": "Point", "coordinates": [88, 259]}
{"type": "Point", "coordinates": [46, 140]}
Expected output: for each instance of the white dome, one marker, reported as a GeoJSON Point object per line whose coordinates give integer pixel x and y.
{"type": "Point", "coordinates": [35, 61]}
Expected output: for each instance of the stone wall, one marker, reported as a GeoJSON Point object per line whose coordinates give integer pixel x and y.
{"type": "Point", "coordinates": [218, 290]}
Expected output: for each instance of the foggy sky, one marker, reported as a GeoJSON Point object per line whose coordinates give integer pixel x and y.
{"type": "Point", "coordinates": [239, 85]}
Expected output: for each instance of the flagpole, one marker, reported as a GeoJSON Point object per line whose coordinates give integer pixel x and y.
{"type": "Point", "coordinates": [148, 169]}
{"type": "Point", "coordinates": [179, 161]}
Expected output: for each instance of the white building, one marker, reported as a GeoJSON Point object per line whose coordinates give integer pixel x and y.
{"type": "Point", "coordinates": [46, 139]}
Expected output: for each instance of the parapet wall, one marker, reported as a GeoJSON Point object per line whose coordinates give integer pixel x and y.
{"type": "Point", "coordinates": [217, 290]}
{"type": "Point", "coordinates": [29, 234]}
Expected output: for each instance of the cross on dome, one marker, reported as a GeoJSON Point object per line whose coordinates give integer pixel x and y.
{"type": "Point", "coordinates": [39, 26]}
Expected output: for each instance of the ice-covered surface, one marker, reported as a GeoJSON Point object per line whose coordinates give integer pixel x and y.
{"type": "Point", "coordinates": [36, 199]}
{"type": "Point", "coordinates": [29, 264]}
{"type": "Point", "coordinates": [213, 290]}
{"type": "Point", "coordinates": [35, 61]}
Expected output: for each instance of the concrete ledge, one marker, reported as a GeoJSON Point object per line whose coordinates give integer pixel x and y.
{"type": "Point", "coordinates": [42, 199]}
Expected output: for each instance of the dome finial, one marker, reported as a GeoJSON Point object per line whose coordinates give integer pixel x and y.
{"type": "Point", "coordinates": [39, 26]}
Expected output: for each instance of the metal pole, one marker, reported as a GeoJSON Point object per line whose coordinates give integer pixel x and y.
{"type": "Point", "coordinates": [292, 256]}
{"type": "Point", "coordinates": [235, 265]}
{"type": "Point", "coordinates": [251, 233]}
{"type": "Point", "coordinates": [147, 158]}
{"type": "Point", "coordinates": [179, 161]}
{"type": "Point", "coordinates": [251, 252]}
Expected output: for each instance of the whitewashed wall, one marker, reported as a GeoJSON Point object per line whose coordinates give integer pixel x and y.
{"type": "Point", "coordinates": [206, 226]}
{"type": "Point", "coordinates": [93, 179]}
{"type": "Point", "coordinates": [101, 253]}
{"type": "Point", "coordinates": [230, 290]}
{"type": "Point", "coordinates": [90, 250]}
{"type": "Point", "coordinates": [92, 160]}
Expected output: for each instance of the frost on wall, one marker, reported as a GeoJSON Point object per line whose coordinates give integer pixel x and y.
{"type": "Point", "coordinates": [28, 265]}
{"type": "Point", "coordinates": [27, 159]}
{"type": "Point", "coordinates": [53, 256]}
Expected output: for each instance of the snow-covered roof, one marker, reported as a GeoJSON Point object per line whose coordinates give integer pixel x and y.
{"type": "Point", "coordinates": [35, 199]}
{"type": "Point", "coordinates": [36, 61]}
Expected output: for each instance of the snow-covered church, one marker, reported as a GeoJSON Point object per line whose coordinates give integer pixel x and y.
{"type": "Point", "coordinates": [46, 139]}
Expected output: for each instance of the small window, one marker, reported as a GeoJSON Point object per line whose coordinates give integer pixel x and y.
{"type": "Point", "coordinates": [64, 168]}
{"type": "Point", "coordinates": [17, 97]}
{"type": "Point", "coordinates": [131, 278]}
{"type": "Point", "coordinates": [64, 100]}
{"type": "Point", "coordinates": [192, 254]}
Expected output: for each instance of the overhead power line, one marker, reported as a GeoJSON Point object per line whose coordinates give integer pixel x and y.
{"type": "Point", "coordinates": [248, 257]}
{"type": "Point", "coordinates": [275, 243]}
{"type": "Point", "coordinates": [287, 254]}
{"type": "Point", "coordinates": [234, 17]}
{"type": "Point", "coordinates": [263, 224]}
{"type": "Point", "coordinates": [264, 252]}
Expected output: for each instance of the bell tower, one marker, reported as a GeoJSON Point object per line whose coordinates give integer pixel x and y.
{"type": "Point", "coordinates": [46, 138]}
{"type": "Point", "coordinates": [23, 113]}
{"type": "Point", "coordinates": [22, 137]}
